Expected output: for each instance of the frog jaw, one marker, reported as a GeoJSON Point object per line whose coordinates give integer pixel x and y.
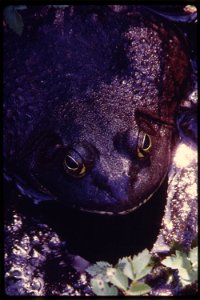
{"type": "Point", "coordinates": [127, 211]}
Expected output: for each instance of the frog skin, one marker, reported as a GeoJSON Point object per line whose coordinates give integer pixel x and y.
{"type": "Point", "coordinates": [90, 106]}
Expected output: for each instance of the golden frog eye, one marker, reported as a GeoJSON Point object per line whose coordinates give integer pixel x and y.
{"type": "Point", "coordinates": [144, 144]}
{"type": "Point", "coordinates": [74, 164]}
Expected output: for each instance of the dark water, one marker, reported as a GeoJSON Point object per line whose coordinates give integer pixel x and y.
{"type": "Point", "coordinates": [99, 237]}
{"type": "Point", "coordinates": [55, 234]}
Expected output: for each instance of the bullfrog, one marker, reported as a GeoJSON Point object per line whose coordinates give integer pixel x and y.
{"type": "Point", "coordinates": [90, 102]}
{"type": "Point", "coordinates": [83, 115]}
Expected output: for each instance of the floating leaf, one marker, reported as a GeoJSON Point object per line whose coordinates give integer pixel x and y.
{"type": "Point", "coordinates": [13, 19]}
{"type": "Point", "coordinates": [140, 261]}
{"type": "Point", "coordinates": [99, 268]}
{"type": "Point", "coordinates": [117, 278]}
{"type": "Point", "coordinates": [138, 288]}
{"type": "Point", "coordinates": [101, 288]}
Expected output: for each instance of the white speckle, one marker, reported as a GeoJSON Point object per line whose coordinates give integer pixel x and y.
{"type": "Point", "coordinates": [169, 225]}
{"type": "Point", "coordinates": [192, 190]}
{"type": "Point", "coordinates": [184, 156]}
{"type": "Point", "coordinates": [83, 278]}
{"type": "Point", "coordinates": [125, 168]}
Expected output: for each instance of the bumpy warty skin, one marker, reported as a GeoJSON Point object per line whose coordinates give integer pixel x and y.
{"type": "Point", "coordinates": [92, 83]}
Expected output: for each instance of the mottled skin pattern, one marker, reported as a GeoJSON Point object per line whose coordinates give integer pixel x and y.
{"type": "Point", "coordinates": [93, 87]}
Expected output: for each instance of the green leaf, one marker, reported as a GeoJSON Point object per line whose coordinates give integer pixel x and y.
{"type": "Point", "coordinates": [140, 261]}
{"type": "Point", "coordinates": [13, 19]}
{"type": "Point", "coordinates": [180, 261]}
{"type": "Point", "coordinates": [101, 288]}
{"type": "Point", "coordinates": [117, 278]}
{"type": "Point", "coordinates": [122, 261]}
{"type": "Point", "coordinates": [137, 267]}
{"type": "Point", "coordinates": [138, 288]}
{"type": "Point", "coordinates": [176, 261]}
{"type": "Point", "coordinates": [128, 269]}
{"type": "Point", "coordinates": [193, 256]}
{"type": "Point", "coordinates": [187, 276]}
{"type": "Point", "coordinates": [143, 273]}
{"type": "Point", "coordinates": [99, 268]}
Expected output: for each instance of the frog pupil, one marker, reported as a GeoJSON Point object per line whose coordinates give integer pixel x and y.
{"type": "Point", "coordinates": [146, 142]}
{"type": "Point", "coordinates": [71, 163]}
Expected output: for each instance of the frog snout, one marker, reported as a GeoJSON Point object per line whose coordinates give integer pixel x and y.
{"type": "Point", "coordinates": [112, 177]}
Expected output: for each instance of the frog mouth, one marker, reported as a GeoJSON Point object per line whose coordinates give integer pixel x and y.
{"type": "Point", "coordinates": [126, 211]}
{"type": "Point", "coordinates": [44, 194]}
{"type": "Point", "coordinates": [123, 212]}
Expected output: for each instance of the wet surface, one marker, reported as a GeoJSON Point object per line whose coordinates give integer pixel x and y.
{"type": "Point", "coordinates": [37, 261]}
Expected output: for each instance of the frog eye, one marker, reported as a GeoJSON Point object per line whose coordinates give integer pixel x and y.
{"type": "Point", "coordinates": [144, 144]}
{"type": "Point", "coordinates": [74, 164]}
